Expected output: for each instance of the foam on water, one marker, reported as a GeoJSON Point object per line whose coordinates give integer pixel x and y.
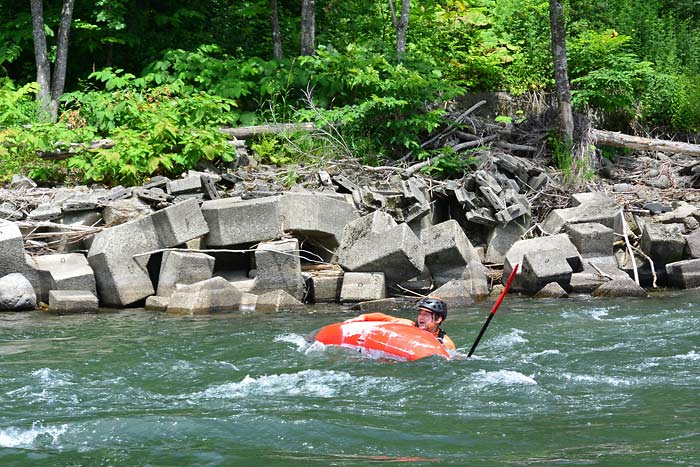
{"type": "Point", "coordinates": [511, 339]}
{"type": "Point", "coordinates": [296, 339]}
{"type": "Point", "coordinates": [503, 377]}
{"type": "Point", "coordinates": [599, 379]}
{"type": "Point", "coordinates": [27, 438]}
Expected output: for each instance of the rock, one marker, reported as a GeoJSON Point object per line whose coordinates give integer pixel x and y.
{"type": "Point", "coordinates": [157, 303]}
{"type": "Point", "coordinates": [502, 237]}
{"type": "Point", "coordinates": [236, 222]}
{"type": "Point", "coordinates": [278, 300]}
{"type": "Point", "coordinates": [447, 251]}
{"type": "Point", "coordinates": [72, 301]}
{"type": "Point", "coordinates": [620, 288]}
{"type": "Point", "coordinates": [590, 279]}
{"type": "Point", "coordinates": [13, 258]}
{"type": "Point", "coordinates": [657, 208]}
{"type": "Point", "coordinates": [179, 267]}
{"type": "Point", "coordinates": [455, 294]}
{"type": "Point", "coordinates": [123, 279]}
{"type": "Point", "coordinates": [595, 208]}
{"type": "Point", "coordinates": [10, 213]}
{"type": "Point", "coordinates": [376, 243]}
{"type": "Point", "coordinates": [45, 212]}
{"type": "Point", "coordinates": [551, 290]}
{"type": "Point", "coordinates": [64, 272]}
{"type": "Point", "coordinates": [622, 187]}
{"type": "Point", "coordinates": [278, 267]}
{"type": "Point", "coordinates": [693, 244]}
{"type": "Point", "coordinates": [684, 274]}
{"type": "Point", "coordinates": [542, 267]}
{"type": "Point", "coordinates": [209, 296]}
{"type": "Point", "coordinates": [591, 239]}
{"type": "Point", "coordinates": [475, 281]}
{"type": "Point", "coordinates": [362, 286]}
{"type": "Point", "coordinates": [122, 211]}
{"type": "Point", "coordinates": [682, 211]}
{"type": "Point", "coordinates": [326, 286]}
{"type": "Point", "coordinates": [20, 182]}
{"type": "Point", "coordinates": [664, 243]}
{"type": "Point", "coordinates": [16, 293]}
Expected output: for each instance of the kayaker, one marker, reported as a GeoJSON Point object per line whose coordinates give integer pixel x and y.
{"type": "Point", "coordinates": [432, 312]}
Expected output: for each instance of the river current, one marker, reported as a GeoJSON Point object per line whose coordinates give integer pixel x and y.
{"type": "Point", "coordinates": [567, 382]}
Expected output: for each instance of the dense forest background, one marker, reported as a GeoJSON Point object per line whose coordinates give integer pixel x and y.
{"type": "Point", "coordinates": [159, 78]}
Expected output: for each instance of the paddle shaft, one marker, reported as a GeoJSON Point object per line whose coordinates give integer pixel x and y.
{"type": "Point", "coordinates": [494, 309]}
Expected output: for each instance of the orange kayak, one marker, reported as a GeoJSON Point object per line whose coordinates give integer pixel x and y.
{"type": "Point", "coordinates": [381, 339]}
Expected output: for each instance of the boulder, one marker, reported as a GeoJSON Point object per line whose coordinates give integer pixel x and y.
{"type": "Point", "coordinates": [552, 290]}
{"type": "Point", "coordinates": [72, 301]}
{"type": "Point", "coordinates": [620, 288]}
{"type": "Point", "coordinates": [362, 286]}
{"type": "Point", "coordinates": [684, 274]}
{"type": "Point", "coordinates": [232, 221]}
{"type": "Point", "coordinates": [664, 243]}
{"type": "Point", "coordinates": [16, 293]}
{"type": "Point", "coordinates": [376, 243]}
{"type": "Point", "coordinates": [278, 300]}
{"type": "Point", "coordinates": [182, 267]}
{"type": "Point", "coordinates": [557, 244]}
{"type": "Point", "coordinates": [122, 278]}
{"type": "Point", "coordinates": [447, 251]}
{"type": "Point", "coordinates": [64, 272]}
{"type": "Point", "coordinates": [209, 296]}
{"type": "Point", "coordinates": [278, 267]}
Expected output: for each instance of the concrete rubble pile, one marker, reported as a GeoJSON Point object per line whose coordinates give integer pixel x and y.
{"type": "Point", "coordinates": [212, 242]}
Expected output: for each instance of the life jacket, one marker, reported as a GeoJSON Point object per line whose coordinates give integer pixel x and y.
{"type": "Point", "coordinates": [440, 334]}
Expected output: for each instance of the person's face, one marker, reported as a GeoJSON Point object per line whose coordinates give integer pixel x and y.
{"type": "Point", "coordinates": [425, 320]}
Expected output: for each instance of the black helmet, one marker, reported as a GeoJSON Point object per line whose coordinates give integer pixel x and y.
{"type": "Point", "coordinates": [435, 305]}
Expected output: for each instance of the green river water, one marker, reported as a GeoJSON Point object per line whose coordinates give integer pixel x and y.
{"type": "Point", "coordinates": [573, 382]}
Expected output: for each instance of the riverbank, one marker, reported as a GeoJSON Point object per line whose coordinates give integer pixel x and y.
{"type": "Point", "coordinates": [255, 237]}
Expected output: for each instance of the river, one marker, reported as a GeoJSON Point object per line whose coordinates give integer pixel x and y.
{"type": "Point", "coordinates": [570, 382]}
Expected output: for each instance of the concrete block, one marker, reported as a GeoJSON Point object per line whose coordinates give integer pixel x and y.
{"type": "Point", "coordinates": [316, 216]}
{"type": "Point", "coordinates": [72, 301]}
{"type": "Point", "coordinates": [693, 244]}
{"type": "Point", "coordinates": [475, 280]}
{"type": "Point", "coordinates": [16, 293]}
{"type": "Point", "coordinates": [179, 267]}
{"type": "Point", "coordinates": [184, 185]}
{"type": "Point", "coordinates": [492, 198]}
{"type": "Point", "coordinates": [552, 290]}
{"type": "Point", "coordinates": [362, 286]}
{"type": "Point", "coordinates": [45, 212]}
{"type": "Point", "coordinates": [180, 223]}
{"type": "Point", "coordinates": [454, 294]}
{"type": "Point", "coordinates": [121, 211]}
{"type": "Point", "coordinates": [590, 278]}
{"type": "Point", "coordinates": [240, 222]}
{"type": "Point", "coordinates": [620, 288]}
{"type": "Point", "coordinates": [664, 243]}
{"type": "Point", "coordinates": [561, 243]}
{"type": "Point", "coordinates": [157, 303]}
{"type": "Point", "coordinates": [447, 251]}
{"type": "Point", "coordinates": [278, 300]}
{"type": "Point", "coordinates": [684, 274]}
{"type": "Point", "coordinates": [541, 267]}
{"type": "Point", "coordinates": [13, 258]}
{"type": "Point", "coordinates": [484, 179]}
{"type": "Point", "coordinates": [210, 296]}
{"type": "Point", "coordinates": [326, 286]}
{"type": "Point", "coordinates": [598, 208]}
{"type": "Point", "coordinates": [383, 305]}
{"type": "Point", "coordinates": [502, 237]}
{"type": "Point", "coordinates": [591, 239]}
{"type": "Point", "coordinates": [278, 267]}
{"type": "Point", "coordinates": [64, 272]}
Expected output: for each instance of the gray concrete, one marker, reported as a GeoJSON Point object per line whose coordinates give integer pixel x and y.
{"type": "Point", "coordinates": [597, 208]}
{"type": "Point", "coordinates": [180, 267]}
{"type": "Point", "coordinates": [560, 243]}
{"type": "Point", "coordinates": [375, 243]}
{"type": "Point", "coordinates": [235, 222]}
{"type": "Point", "coordinates": [684, 274]}
{"type": "Point", "coordinates": [326, 286]}
{"type": "Point", "coordinates": [157, 303]}
{"type": "Point", "coordinates": [121, 278]}
{"type": "Point", "coordinates": [590, 278]}
{"type": "Point", "coordinates": [693, 244]}
{"type": "Point", "coordinates": [502, 237]}
{"type": "Point", "coordinates": [475, 281]}
{"type": "Point", "coordinates": [447, 251]}
{"type": "Point", "coordinates": [316, 216]}
{"type": "Point", "coordinates": [210, 296]}
{"type": "Point", "coordinates": [552, 290]}
{"type": "Point", "coordinates": [620, 288]}
{"type": "Point", "coordinates": [456, 294]}
{"type": "Point", "coordinates": [591, 239]}
{"type": "Point", "coordinates": [541, 267]}
{"type": "Point", "coordinates": [64, 272]}
{"type": "Point", "coordinates": [13, 258]}
{"type": "Point", "coordinates": [277, 300]}
{"type": "Point", "coordinates": [278, 267]}
{"type": "Point", "coordinates": [72, 301]}
{"type": "Point", "coordinates": [383, 305]}
{"type": "Point", "coordinates": [363, 286]}
{"type": "Point", "coordinates": [16, 293]}
{"type": "Point", "coordinates": [664, 243]}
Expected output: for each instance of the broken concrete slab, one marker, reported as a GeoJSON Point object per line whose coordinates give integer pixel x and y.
{"type": "Point", "coordinates": [551, 290]}
{"type": "Point", "coordinates": [384, 305]}
{"type": "Point", "coordinates": [455, 294]}
{"type": "Point", "coordinates": [65, 302]}
{"type": "Point", "coordinates": [541, 267]}
{"type": "Point", "coordinates": [242, 222]}
{"type": "Point", "coordinates": [693, 244]}
{"type": "Point", "coordinates": [121, 211]}
{"type": "Point", "coordinates": [596, 271]}
{"type": "Point", "coordinates": [447, 251]}
{"type": "Point", "coordinates": [475, 281]}
{"type": "Point", "coordinates": [591, 239]}
{"type": "Point", "coordinates": [209, 296]}
{"type": "Point", "coordinates": [45, 212]}
{"type": "Point", "coordinates": [277, 300]}
{"type": "Point", "coordinates": [278, 266]}
{"type": "Point", "coordinates": [684, 274]}
{"type": "Point", "coordinates": [316, 216]}
{"type": "Point", "coordinates": [376, 243]}
{"type": "Point", "coordinates": [181, 267]}
{"type": "Point", "coordinates": [13, 258]}
{"type": "Point", "coordinates": [363, 286]}
{"type": "Point", "coordinates": [122, 277]}
{"type": "Point", "coordinates": [502, 237]}
{"type": "Point", "coordinates": [664, 243]}
{"type": "Point", "coordinates": [64, 272]}
{"type": "Point", "coordinates": [560, 243]}
{"type": "Point", "coordinates": [184, 185]}
{"type": "Point", "coordinates": [326, 286]}
{"type": "Point", "coordinates": [598, 208]}
{"type": "Point", "coordinates": [157, 303]}
{"type": "Point", "coordinates": [620, 288]}
{"type": "Point", "coordinates": [16, 293]}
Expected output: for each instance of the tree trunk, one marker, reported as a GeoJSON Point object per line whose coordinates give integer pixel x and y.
{"type": "Point", "coordinates": [612, 138]}
{"type": "Point", "coordinates": [561, 77]}
{"type": "Point", "coordinates": [394, 21]}
{"type": "Point", "coordinates": [59, 71]}
{"type": "Point", "coordinates": [402, 28]}
{"type": "Point", "coordinates": [276, 35]}
{"type": "Point", "coordinates": [308, 27]}
{"type": "Point", "coordinates": [43, 68]}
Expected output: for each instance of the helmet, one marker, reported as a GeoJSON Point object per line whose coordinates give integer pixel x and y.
{"type": "Point", "coordinates": [435, 305]}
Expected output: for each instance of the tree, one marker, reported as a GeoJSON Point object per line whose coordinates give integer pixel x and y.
{"type": "Point", "coordinates": [308, 27]}
{"type": "Point", "coordinates": [276, 35]}
{"type": "Point", "coordinates": [51, 89]}
{"type": "Point", "coordinates": [400, 24]}
{"type": "Point", "coordinates": [561, 76]}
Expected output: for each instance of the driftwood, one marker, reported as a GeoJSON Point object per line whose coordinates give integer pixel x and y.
{"type": "Point", "coordinates": [612, 138]}
{"type": "Point", "coordinates": [248, 131]}
{"type": "Point", "coordinates": [75, 148]}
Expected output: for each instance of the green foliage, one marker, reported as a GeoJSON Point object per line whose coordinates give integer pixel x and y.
{"type": "Point", "coordinates": [17, 105]}
{"type": "Point", "coordinates": [447, 163]}
{"type": "Point", "coordinates": [673, 99]}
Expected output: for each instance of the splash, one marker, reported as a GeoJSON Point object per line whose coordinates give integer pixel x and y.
{"type": "Point", "coordinates": [504, 377]}
{"type": "Point", "coordinates": [27, 438]}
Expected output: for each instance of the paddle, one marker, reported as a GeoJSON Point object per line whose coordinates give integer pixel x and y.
{"type": "Point", "coordinates": [494, 309]}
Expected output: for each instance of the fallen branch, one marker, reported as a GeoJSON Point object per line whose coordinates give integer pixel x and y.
{"type": "Point", "coordinates": [75, 148]}
{"type": "Point", "coordinates": [629, 248]}
{"type": "Point", "coordinates": [248, 131]}
{"type": "Point", "coordinates": [612, 138]}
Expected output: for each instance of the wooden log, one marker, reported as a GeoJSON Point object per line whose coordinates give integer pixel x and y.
{"type": "Point", "coordinates": [75, 148]}
{"type": "Point", "coordinates": [248, 131]}
{"type": "Point", "coordinates": [612, 138]}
